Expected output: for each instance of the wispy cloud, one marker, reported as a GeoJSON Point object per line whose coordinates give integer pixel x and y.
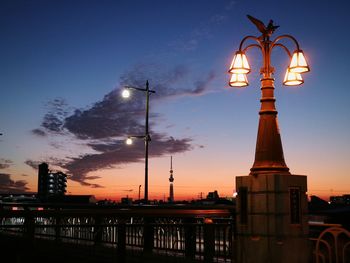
{"type": "Point", "coordinates": [5, 163]}
{"type": "Point", "coordinates": [203, 32]}
{"type": "Point", "coordinates": [39, 132]}
{"type": "Point", "coordinates": [7, 185]}
{"type": "Point", "coordinates": [230, 5]}
{"type": "Point", "coordinates": [117, 153]}
{"type": "Point", "coordinates": [103, 126]}
{"type": "Point", "coordinates": [33, 164]}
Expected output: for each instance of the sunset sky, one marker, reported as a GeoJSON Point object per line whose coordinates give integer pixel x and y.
{"type": "Point", "coordinates": [63, 65]}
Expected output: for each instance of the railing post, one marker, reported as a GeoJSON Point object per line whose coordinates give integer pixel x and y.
{"type": "Point", "coordinates": [190, 238]}
{"type": "Point", "coordinates": [57, 227]}
{"type": "Point", "coordinates": [148, 236]}
{"type": "Point", "coordinates": [98, 230]}
{"type": "Point", "coordinates": [29, 225]}
{"type": "Point", "coordinates": [232, 236]}
{"type": "Point", "coordinates": [209, 240]}
{"type": "Point", "coordinates": [121, 246]}
{"type": "Point", "coordinates": [29, 250]}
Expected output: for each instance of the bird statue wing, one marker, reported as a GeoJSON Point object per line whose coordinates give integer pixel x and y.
{"type": "Point", "coordinates": [260, 25]}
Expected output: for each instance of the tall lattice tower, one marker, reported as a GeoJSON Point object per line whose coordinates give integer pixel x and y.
{"type": "Point", "coordinates": [171, 180]}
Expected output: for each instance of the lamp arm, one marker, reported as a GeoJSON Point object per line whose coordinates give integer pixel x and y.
{"type": "Point", "coordinates": [274, 43]}
{"type": "Point", "coordinates": [130, 87]}
{"type": "Point", "coordinates": [137, 136]}
{"type": "Point", "coordinates": [251, 46]}
{"type": "Point", "coordinates": [249, 37]}
{"type": "Point", "coordinates": [285, 49]}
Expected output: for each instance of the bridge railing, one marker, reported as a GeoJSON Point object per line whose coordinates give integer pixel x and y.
{"type": "Point", "coordinates": [195, 233]}
{"type": "Point", "coordinates": [330, 243]}
{"type": "Point", "coordinates": [204, 234]}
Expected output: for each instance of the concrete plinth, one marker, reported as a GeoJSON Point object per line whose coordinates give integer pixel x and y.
{"type": "Point", "coordinates": [272, 222]}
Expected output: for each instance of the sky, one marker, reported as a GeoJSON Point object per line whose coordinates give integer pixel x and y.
{"type": "Point", "coordinates": [63, 65]}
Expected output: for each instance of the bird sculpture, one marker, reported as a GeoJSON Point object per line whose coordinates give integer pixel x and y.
{"type": "Point", "coordinates": [265, 30]}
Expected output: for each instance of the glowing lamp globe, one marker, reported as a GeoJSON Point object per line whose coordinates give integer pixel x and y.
{"type": "Point", "coordinates": [126, 93]}
{"type": "Point", "coordinates": [238, 80]}
{"type": "Point", "coordinates": [239, 64]}
{"type": "Point", "coordinates": [298, 63]}
{"type": "Point", "coordinates": [128, 141]}
{"type": "Point", "coordinates": [292, 79]}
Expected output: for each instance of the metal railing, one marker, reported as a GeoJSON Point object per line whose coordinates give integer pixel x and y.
{"type": "Point", "coordinates": [189, 233]}
{"type": "Point", "coordinates": [331, 244]}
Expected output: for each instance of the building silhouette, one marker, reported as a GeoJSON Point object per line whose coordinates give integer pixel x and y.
{"type": "Point", "coordinates": [50, 183]}
{"type": "Point", "coordinates": [340, 200]}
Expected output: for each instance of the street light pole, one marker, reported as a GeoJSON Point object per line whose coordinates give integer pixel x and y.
{"type": "Point", "coordinates": [147, 139]}
{"type": "Point", "coordinates": [269, 153]}
{"type": "Point", "coordinates": [146, 136]}
{"type": "Point", "coordinates": [271, 201]}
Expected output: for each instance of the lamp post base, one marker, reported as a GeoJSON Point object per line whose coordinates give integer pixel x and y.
{"type": "Point", "coordinates": [271, 217]}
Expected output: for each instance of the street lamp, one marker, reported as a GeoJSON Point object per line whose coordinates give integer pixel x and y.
{"type": "Point", "coordinates": [146, 136]}
{"type": "Point", "coordinates": [269, 153]}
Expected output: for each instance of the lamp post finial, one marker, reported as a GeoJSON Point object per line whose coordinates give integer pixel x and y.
{"type": "Point", "coordinates": [265, 30]}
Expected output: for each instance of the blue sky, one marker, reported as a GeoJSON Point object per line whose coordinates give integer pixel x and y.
{"type": "Point", "coordinates": [66, 61]}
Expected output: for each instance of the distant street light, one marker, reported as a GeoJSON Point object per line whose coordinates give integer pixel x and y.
{"type": "Point", "coordinates": [146, 136]}
{"type": "Point", "coordinates": [126, 93]}
{"type": "Point", "coordinates": [129, 141]}
{"type": "Point", "coordinates": [269, 153]}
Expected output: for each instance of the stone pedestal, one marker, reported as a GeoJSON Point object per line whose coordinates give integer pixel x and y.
{"type": "Point", "coordinates": [272, 224]}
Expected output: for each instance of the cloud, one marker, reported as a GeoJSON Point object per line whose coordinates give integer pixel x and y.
{"type": "Point", "coordinates": [39, 132]}
{"type": "Point", "coordinates": [201, 86]}
{"type": "Point", "coordinates": [5, 163]}
{"type": "Point", "coordinates": [201, 33]}
{"type": "Point", "coordinates": [218, 19]}
{"type": "Point", "coordinates": [230, 5]}
{"type": "Point", "coordinates": [53, 120]}
{"type": "Point", "coordinates": [7, 185]}
{"type": "Point", "coordinates": [117, 153]}
{"type": "Point", "coordinates": [33, 164]}
{"type": "Point", "coordinates": [102, 127]}
{"type": "Point", "coordinates": [107, 118]}
{"type": "Point", "coordinates": [168, 82]}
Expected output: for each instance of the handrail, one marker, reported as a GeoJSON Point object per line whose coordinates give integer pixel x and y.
{"type": "Point", "coordinates": [224, 211]}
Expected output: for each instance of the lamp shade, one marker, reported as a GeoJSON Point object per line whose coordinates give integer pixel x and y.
{"type": "Point", "coordinates": [239, 64]}
{"type": "Point", "coordinates": [125, 93]}
{"type": "Point", "coordinates": [298, 63]}
{"type": "Point", "coordinates": [292, 79]}
{"type": "Point", "coordinates": [129, 141]}
{"type": "Point", "coordinates": [238, 80]}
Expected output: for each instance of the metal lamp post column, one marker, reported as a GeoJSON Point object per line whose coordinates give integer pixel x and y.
{"type": "Point", "coordinates": [268, 152]}
{"type": "Point", "coordinates": [271, 205]}
{"type": "Point", "coordinates": [147, 139]}
{"type": "Point", "coordinates": [146, 136]}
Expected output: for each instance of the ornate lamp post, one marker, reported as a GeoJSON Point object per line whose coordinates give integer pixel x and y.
{"type": "Point", "coordinates": [271, 203]}
{"type": "Point", "coordinates": [269, 153]}
{"type": "Point", "coordinates": [146, 136]}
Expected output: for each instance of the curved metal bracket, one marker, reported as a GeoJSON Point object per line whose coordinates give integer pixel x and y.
{"type": "Point", "coordinates": [249, 37]}
{"type": "Point", "coordinates": [251, 46]}
{"type": "Point", "coordinates": [285, 49]}
{"type": "Point", "coordinates": [274, 43]}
